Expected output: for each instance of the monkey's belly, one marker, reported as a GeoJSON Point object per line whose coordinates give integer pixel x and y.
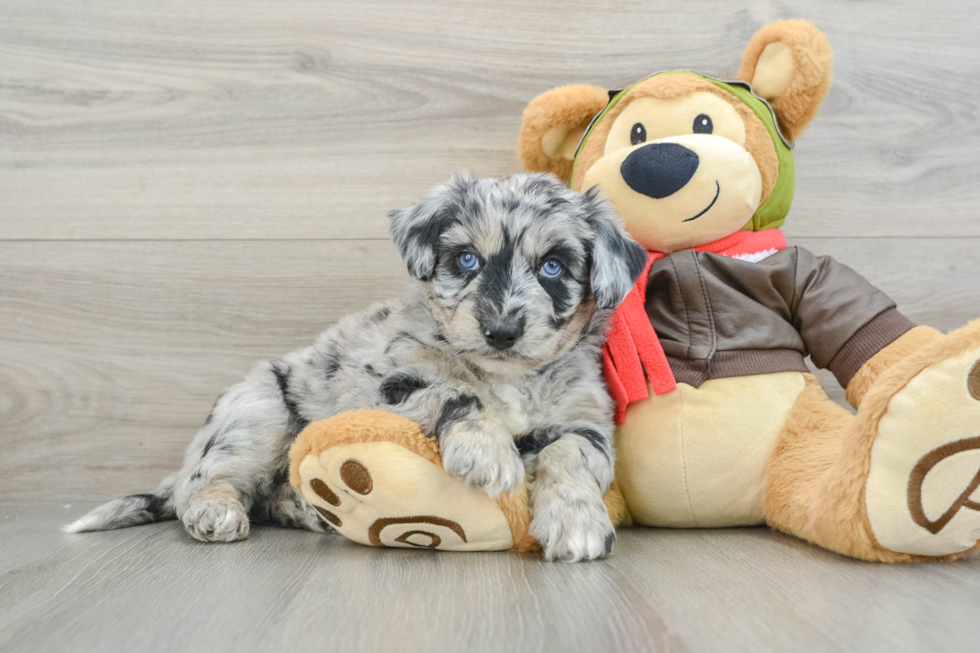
{"type": "Point", "coordinates": [696, 457]}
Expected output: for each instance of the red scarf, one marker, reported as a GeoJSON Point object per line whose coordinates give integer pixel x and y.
{"type": "Point", "coordinates": [632, 353]}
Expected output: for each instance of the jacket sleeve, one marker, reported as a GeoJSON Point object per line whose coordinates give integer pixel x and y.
{"type": "Point", "coordinates": [842, 318]}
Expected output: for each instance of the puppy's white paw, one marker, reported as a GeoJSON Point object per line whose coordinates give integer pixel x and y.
{"type": "Point", "coordinates": [216, 520]}
{"type": "Point", "coordinates": [574, 531]}
{"type": "Point", "coordinates": [486, 458]}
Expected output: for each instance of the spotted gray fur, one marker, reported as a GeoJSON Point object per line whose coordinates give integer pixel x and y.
{"type": "Point", "coordinates": [428, 357]}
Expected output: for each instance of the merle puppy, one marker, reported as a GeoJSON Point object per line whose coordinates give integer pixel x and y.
{"type": "Point", "coordinates": [494, 350]}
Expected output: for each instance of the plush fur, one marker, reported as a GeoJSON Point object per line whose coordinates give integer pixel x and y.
{"type": "Point", "coordinates": [811, 76]}
{"type": "Point", "coordinates": [799, 498]}
{"type": "Point", "coordinates": [816, 476]}
{"type": "Point", "coordinates": [668, 87]}
{"type": "Point", "coordinates": [436, 357]}
{"type": "Point", "coordinates": [568, 109]}
{"type": "Point", "coordinates": [899, 350]}
{"type": "Point", "coordinates": [598, 164]}
{"type": "Point", "coordinates": [361, 426]}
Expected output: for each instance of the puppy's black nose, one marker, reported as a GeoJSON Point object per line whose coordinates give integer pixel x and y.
{"type": "Point", "coordinates": [502, 334]}
{"type": "Point", "coordinates": [659, 169]}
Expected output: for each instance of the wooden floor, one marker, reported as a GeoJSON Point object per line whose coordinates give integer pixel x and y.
{"type": "Point", "coordinates": [187, 187]}
{"type": "Point", "coordinates": [152, 588]}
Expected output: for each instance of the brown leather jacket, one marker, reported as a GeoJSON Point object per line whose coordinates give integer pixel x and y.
{"type": "Point", "coordinates": [718, 316]}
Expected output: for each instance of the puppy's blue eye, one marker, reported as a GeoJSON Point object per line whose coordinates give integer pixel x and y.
{"type": "Point", "coordinates": [551, 269]}
{"type": "Point", "coordinates": [469, 261]}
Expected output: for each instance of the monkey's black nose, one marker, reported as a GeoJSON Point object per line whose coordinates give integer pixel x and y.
{"type": "Point", "coordinates": [502, 334]}
{"type": "Point", "coordinates": [659, 170]}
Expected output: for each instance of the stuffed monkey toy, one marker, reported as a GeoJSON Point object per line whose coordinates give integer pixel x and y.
{"type": "Point", "coordinates": [720, 424]}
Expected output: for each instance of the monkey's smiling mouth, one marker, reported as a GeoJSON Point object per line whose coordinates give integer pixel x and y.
{"type": "Point", "coordinates": [707, 208]}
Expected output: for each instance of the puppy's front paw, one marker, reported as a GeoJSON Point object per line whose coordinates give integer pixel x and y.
{"type": "Point", "coordinates": [216, 520]}
{"type": "Point", "coordinates": [572, 531]}
{"type": "Point", "coordinates": [486, 458]}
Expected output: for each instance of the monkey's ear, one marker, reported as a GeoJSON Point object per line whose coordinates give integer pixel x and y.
{"type": "Point", "coordinates": [553, 125]}
{"type": "Point", "coordinates": [790, 64]}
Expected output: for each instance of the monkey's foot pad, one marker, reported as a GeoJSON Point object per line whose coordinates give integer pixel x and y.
{"type": "Point", "coordinates": [923, 489]}
{"type": "Point", "coordinates": [377, 480]}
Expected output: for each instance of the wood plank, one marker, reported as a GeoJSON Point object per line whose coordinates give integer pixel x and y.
{"type": "Point", "coordinates": [111, 354]}
{"type": "Point", "coordinates": [752, 590]}
{"type": "Point", "coordinates": [152, 588]}
{"type": "Point", "coordinates": [299, 120]}
{"type": "Point", "coordinates": [200, 295]}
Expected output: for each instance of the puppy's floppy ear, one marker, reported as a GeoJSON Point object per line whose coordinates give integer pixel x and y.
{"type": "Point", "coordinates": [553, 125]}
{"type": "Point", "coordinates": [617, 259]}
{"type": "Point", "coordinates": [416, 230]}
{"type": "Point", "coordinates": [790, 64]}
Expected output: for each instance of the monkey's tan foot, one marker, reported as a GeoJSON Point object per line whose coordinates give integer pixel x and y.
{"type": "Point", "coordinates": [922, 494]}
{"type": "Point", "coordinates": [377, 480]}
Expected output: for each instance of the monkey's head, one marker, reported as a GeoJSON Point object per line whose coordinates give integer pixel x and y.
{"type": "Point", "coordinates": [685, 158]}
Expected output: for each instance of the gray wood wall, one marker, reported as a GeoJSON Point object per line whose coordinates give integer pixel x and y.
{"type": "Point", "coordinates": [187, 187]}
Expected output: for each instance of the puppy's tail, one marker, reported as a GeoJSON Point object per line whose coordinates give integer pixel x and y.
{"type": "Point", "coordinates": [126, 511]}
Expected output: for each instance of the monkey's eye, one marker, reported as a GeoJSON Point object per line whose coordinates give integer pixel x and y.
{"type": "Point", "coordinates": [638, 134]}
{"type": "Point", "coordinates": [702, 124]}
{"type": "Point", "coordinates": [551, 269]}
{"type": "Point", "coordinates": [468, 261]}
